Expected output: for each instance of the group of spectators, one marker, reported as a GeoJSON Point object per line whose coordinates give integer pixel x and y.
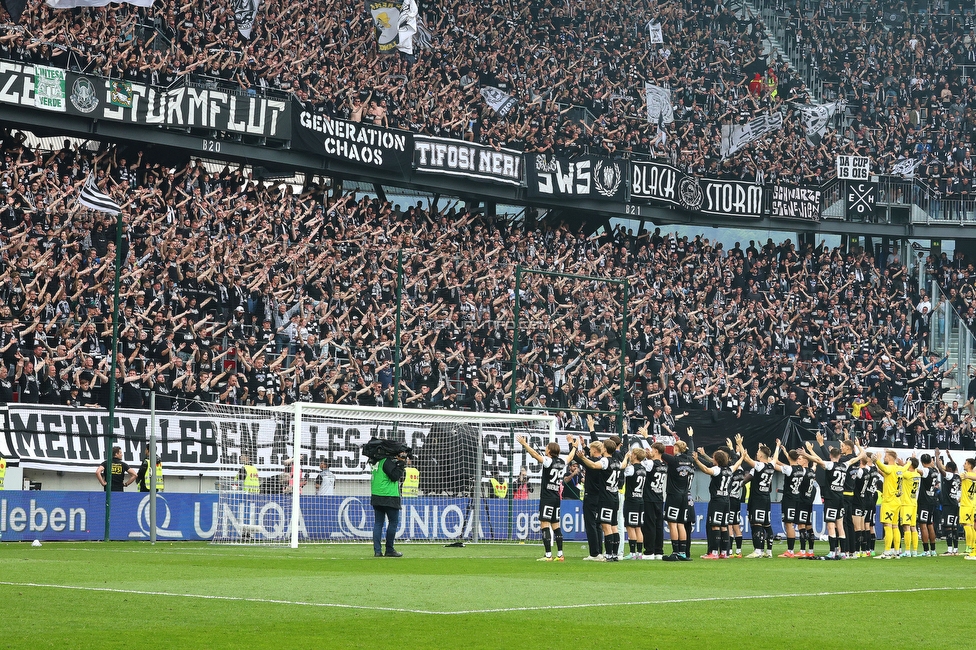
{"type": "Point", "coordinates": [238, 292]}
{"type": "Point", "coordinates": [903, 70]}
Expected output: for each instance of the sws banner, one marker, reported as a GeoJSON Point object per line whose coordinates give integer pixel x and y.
{"type": "Point", "coordinates": [134, 103]}
{"type": "Point", "coordinates": [80, 516]}
{"type": "Point", "coordinates": [584, 177]}
{"type": "Point", "coordinates": [795, 202]}
{"type": "Point", "coordinates": [475, 161]}
{"type": "Point", "coordinates": [660, 182]}
{"type": "Point", "coordinates": [353, 142]}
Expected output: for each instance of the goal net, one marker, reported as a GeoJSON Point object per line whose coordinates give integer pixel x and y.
{"type": "Point", "coordinates": [473, 481]}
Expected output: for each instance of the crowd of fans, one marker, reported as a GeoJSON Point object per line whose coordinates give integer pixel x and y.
{"type": "Point", "coordinates": [243, 293]}
{"type": "Point", "coordinates": [904, 71]}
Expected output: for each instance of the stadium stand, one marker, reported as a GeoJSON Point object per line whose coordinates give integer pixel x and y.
{"type": "Point", "coordinates": [239, 291]}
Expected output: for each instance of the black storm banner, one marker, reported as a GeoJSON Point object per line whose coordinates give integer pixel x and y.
{"type": "Point", "coordinates": [354, 142]}
{"type": "Point", "coordinates": [661, 183]}
{"type": "Point", "coordinates": [474, 161]}
{"type": "Point", "coordinates": [795, 202]}
{"type": "Point", "coordinates": [586, 176]}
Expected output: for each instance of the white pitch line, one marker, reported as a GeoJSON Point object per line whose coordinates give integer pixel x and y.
{"type": "Point", "coordinates": [498, 610]}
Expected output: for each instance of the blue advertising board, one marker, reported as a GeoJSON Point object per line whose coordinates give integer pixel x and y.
{"type": "Point", "coordinates": [65, 516]}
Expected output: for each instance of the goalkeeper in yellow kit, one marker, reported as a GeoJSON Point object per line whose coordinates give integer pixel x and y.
{"type": "Point", "coordinates": [967, 505]}
{"type": "Point", "coordinates": [911, 481]}
{"type": "Point", "coordinates": [891, 492]}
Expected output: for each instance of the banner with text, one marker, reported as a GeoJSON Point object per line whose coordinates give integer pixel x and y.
{"type": "Point", "coordinates": [135, 103]}
{"type": "Point", "coordinates": [79, 516]}
{"type": "Point", "coordinates": [795, 202]}
{"type": "Point", "coordinates": [660, 182]}
{"type": "Point", "coordinates": [475, 161]}
{"type": "Point", "coordinates": [583, 177]}
{"type": "Point", "coordinates": [353, 142]}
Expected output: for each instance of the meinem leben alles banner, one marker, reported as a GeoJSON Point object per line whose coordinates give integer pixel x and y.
{"type": "Point", "coordinates": [135, 103]}
{"type": "Point", "coordinates": [193, 444]}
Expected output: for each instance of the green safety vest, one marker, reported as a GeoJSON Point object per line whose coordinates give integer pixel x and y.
{"type": "Point", "coordinates": [3, 470]}
{"type": "Point", "coordinates": [411, 482]}
{"type": "Point", "coordinates": [501, 489]}
{"type": "Point", "coordinates": [147, 479]}
{"type": "Point", "coordinates": [251, 481]}
{"type": "Point", "coordinates": [381, 485]}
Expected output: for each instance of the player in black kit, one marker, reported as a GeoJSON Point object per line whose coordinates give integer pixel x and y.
{"type": "Point", "coordinates": [832, 491]}
{"type": "Point", "coordinates": [657, 474]}
{"type": "Point", "coordinates": [681, 472]}
{"type": "Point", "coordinates": [949, 502]}
{"type": "Point", "coordinates": [635, 483]}
{"type": "Point", "coordinates": [928, 503]}
{"type": "Point", "coordinates": [553, 469]}
{"type": "Point", "coordinates": [720, 487]}
{"type": "Point", "coordinates": [760, 490]}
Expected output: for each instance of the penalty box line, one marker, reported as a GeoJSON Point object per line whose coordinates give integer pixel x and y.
{"type": "Point", "coordinates": [498, 610]}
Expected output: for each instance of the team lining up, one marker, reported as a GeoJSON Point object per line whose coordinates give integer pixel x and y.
{"type": "Point", "coordinates": [656, 489]}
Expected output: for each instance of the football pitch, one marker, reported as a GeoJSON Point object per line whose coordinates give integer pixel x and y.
{"type": "Point", "coordinates": [88, 595]}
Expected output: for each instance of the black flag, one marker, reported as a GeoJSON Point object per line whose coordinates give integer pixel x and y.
{"type": "Point", "coordinates": [15, 8]}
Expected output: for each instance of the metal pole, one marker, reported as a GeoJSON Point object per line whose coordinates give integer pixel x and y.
{"type": "Point", "coordinates": [623, 365]}
{"type": "Point", "coordinates": [152, 467]}
{"type": "Point", "coordinates": [513, 408]}
{"type": "Point", "coordinates": [476, 488]}
{"type": "Point", "coordinates": [515, 333]}
{"type": "Point", "coordinates": [110, 434]}
{"type": "Point", "coordinates": [397, 350]}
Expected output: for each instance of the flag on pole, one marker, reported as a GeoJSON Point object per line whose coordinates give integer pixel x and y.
{"type": "Point", "coordinates": [94, 199]}
{"type": "Point", "coordinates": [245, 13]}
{"type": "Point", "coordinates": [654, 32]}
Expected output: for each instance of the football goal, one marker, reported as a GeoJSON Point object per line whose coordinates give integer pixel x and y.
{"type": "Point", "coordinates": [296, 474]}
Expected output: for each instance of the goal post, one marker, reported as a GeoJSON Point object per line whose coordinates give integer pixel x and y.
{"type": "Point", "coordinates": [314, 482]}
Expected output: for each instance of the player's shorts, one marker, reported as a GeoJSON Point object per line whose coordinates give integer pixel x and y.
{"type": "Point", "coordinates": [718, 512]}
{"type": "Point", "coordinates": [549, 510]}
{"type": "Point", "coordinates": [634, 514]}
{"type": "Point", "coordinates": [906, 515]}
{"type": "Point", "coordinates": [791, 513]}
{"type": "Point", "coordinates": [950, 516]}
{"type": "Point", "coordinates": [805, 514]}
{"type": "Point", "coordinates": [872, 516]}
{"type": "Point", "coordinates": [690, 514]}
{"type": "Point", "coordinates": [926, 514]}
{"type": "Point", "coordinates": [676, 509]}
{"type": "Point", "coordinates": [863, 508]}
{"type": "Point", "coordinates": [833, 509]}
{"type": "Point", "coordinates": [609, 511]}
{"type": "Point", "coordinates": [759, 513]}
{"type": "Point", "coordinates": [966, 516]}
{"type": "Point", "coordinates": [735, 513]}
{"type": "Point", "coordinates": [889, 514]}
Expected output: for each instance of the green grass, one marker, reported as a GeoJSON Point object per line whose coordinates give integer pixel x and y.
{"type": "Point", "coordinates": [332, 597]}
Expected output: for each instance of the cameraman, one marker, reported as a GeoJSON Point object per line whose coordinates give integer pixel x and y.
{"type": "Point", "coordinates": [385, 499]}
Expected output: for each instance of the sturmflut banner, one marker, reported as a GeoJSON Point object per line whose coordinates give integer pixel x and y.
{"type": "Point", "coordinates": [134, 103]}
{"type": "Point", "coordinates": [353, 142]}
{"type": "Point", "coordinates": [474, 161]}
